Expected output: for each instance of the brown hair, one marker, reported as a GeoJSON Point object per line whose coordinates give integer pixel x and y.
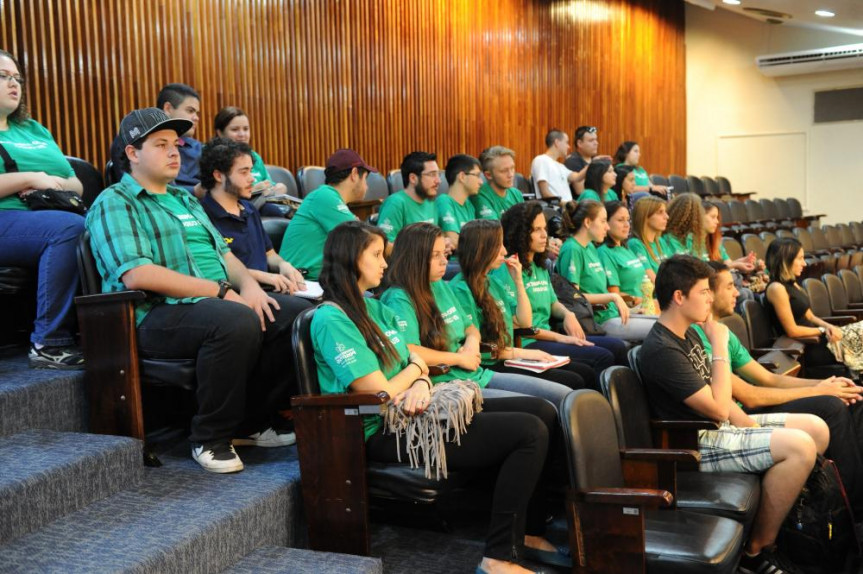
{"type": "Point", "coordinates": [643, 210]}
{"type": "Point", "coordinates": [685, 215]}
{"type": "Point", "coordinates": [712, 241]}
{"type": "Point", "coordinates": [479, 244]}
{"type": "Point", "coordinates": [340, 274]}
{"type": "Point", "coordinates": [21, 113]}
{"type": "Point", "coordinates": [409, 270]}
{"type": "Point", "coordinates": [575, 212]}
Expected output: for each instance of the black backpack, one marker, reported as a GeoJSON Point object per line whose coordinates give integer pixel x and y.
{"type": "Point", "coordinates": [818, 533]}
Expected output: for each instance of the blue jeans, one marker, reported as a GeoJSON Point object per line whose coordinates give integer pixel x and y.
{"type": "Point", "coordinates": [527, 385]}
{"type": "Point", "coordinates": [45, 241]}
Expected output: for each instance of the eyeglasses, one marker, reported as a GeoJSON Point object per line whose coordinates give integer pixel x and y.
{"type": "Point", "coordinates": [431, 174]}
{"type": "Point", "coordinates": [4, 77]}
{"type": "Point", "coordinates": [474, 174]}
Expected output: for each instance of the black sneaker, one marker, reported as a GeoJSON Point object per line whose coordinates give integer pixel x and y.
{"type": "Point", "coordinates": [68, 358]}
{"type": "Point", "coordinates": [768, 561]}
{"type": "Point", "coordinates": [217, 457]}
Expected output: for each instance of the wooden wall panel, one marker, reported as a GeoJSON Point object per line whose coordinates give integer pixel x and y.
{"type": "Point", "coordinates": [382, 76]}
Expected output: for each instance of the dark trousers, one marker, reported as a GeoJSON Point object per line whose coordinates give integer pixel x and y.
{"type": "Point", "coordinates": [244, 375]}
{"type": "Point", "coordinates": [845, 436]}
{"type": "Point", "coordinates": [595, 358]}
{"type": "Point", "coordinates": [513, 434]}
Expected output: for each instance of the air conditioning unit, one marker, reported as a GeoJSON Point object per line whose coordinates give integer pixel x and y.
{"type": "Point", "coordinates": [811, 61]}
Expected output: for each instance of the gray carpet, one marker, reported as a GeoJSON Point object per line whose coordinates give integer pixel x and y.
{"type": "Point", "coordinates": [39, 398]}
{"type": "Point", "coordinates": [47, 474]}
{"type": "Point", "coordinates": [273, 560]}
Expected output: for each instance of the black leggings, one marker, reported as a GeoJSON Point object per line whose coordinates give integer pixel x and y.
{"type": "Point", "coordinates": [511, 433]}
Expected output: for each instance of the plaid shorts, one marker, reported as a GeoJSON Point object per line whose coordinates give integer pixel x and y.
{"type": "Point", "coordinates": [736, 449]}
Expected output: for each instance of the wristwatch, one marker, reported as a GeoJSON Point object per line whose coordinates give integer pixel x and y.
{"type": "Point", "coordinates": [823, 331]}
{"type": "Point", "coordinates": [223, 288]}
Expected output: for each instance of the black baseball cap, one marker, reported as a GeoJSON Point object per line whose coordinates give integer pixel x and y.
{"type": "Point", "coordinates": [138, 124]}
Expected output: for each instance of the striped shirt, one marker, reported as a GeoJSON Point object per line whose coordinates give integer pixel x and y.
{"type": "Point", "coordinates": [130, 227]}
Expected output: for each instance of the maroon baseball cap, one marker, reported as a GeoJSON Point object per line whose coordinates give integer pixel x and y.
{"type": "Point", "coordinates": [347, 159]}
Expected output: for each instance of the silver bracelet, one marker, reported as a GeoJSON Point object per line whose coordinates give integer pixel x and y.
{"type": "Point", "coordinates": [723, 359]}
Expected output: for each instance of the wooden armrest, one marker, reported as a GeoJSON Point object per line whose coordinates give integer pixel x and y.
{"type": "Point", "coordinates": [792, 352]}
{"type": "Point", "coordinates": [840, 320]}
{"type": "Point", "coordinates": [364, 203]}
{"type": "Point", "coordinates": [855, 305]}
{"type": "Point", "coordinates": [437, 370]}
{"type": "Point", "coordinates": [340, 400]}
{"type": "Point", "coordinates": [525, 332]}
{"type": "Point", "coordinates": [653, 498]}
{"type": "Point", "coordinates": [794, 346]}
{"type": "Point", "coordinates": [684, 425]}
{"type": "Point", "coordinates": [857, 313]}
{"type": "Point", "coordinates": [106, 298]}
{"type": "Point", "coordinates": [661, 455]}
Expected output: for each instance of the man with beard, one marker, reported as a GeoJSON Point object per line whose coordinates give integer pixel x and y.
{"type": "Point", "coordinates": [836, 400]}
{"type": "Point", "coordinates": [201, 302]}
{"type": "Point", "coordinates": [323, 209]}
{"type": "Point", "coordinates": [415, 203]}
{"type": "Point", "coordinates": [586, 148]}
{"type": "Point", "coordinates": [226, 175]}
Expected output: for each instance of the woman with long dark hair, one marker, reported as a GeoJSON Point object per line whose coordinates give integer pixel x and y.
{"type": "Point", "coordinates": [438, 328]}
{"type": "Point", "coordinates": [492, 308]}
{"type": "Point", "coordinates": [526, 236]}
{"type": "Point", "coordinates": [360, 345]}
{"type": "Point", "coordinates": [789, 306]}
{"type": "Point", "coordinates": [586, 223]}
{"type": "Point", "coordinates": [598, 182]}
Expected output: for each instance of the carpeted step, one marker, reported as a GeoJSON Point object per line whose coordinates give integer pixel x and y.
{"type": "Point", "coordinates": [39, 398]}
{"type": "Point", "coordinates": [47, 474]}
{"type": "Point", "coordinates": [279, 560]}
{"type": "Point", "coordinates": [179, 519]}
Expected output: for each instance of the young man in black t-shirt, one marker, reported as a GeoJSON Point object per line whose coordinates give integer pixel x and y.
{"type": "Point", "coordinates": [683, 382]}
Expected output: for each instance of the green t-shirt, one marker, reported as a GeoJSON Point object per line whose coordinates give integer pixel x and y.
{"type": "Point", "coordinates": [259, 169]}
{"type": "Point", "coordinates": [672, 245]}
{"type": "Point", "coordinates": [540, 293]}
{"type": "Point", "coordinates": [33, 149]}
{"type": "Point", "coordinates": [690, 248]}
{"type": "Point", "coordinates": [623, 268]}
{"type": "Point", "coordinates": [737, 353]}
{"type": "Point", "coordinates": [641, 177]}
{"type": "Point", "coordinates": [399, 210]}
{"type": "Point", "coordinates": [200, 244]}
{"type": "Point", "coordinates": [318, 214]}
{"type": "Point", "coordinates": [489, 205]}
{"type": "Point", "coordinates": [342, 355]}
{"type": "Point", "coordinates": [610, 195]}
{"type": "Point", "coordinates": [581, 265]}
{"type": "Point", "coordinates": [455, 318]}
{"type": "Point", "coordinates": [637, 246]}
{"type": "Point", "coordinates": [450, 215]}
{"type": "Point", "coordinates": [506, 302]}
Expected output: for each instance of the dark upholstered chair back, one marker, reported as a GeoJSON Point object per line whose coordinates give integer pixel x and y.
{"type": "Point", "coordinates": [695, 184]}
{"type": "Point", "coordinates": [836, 294]}
{"type": "Point", "coordinates": [91, 281]}
{"type": "Point", "coordinates": [90, 178]}
{"type": "Point", "coordinates": [738, 212]}
{"type": "Point", "coordinates": [710, 185]}
{"type": "Point", "coordinates": [732, 246]}
{"type": "Point", "coordinates": [283, 175]}
{"type": "Point", "coordinates": [757, 324]}
{"type": "Point", "coordinates": [796, 208]}
{"type": "Point", "coordinates": [628, 402]}
{"type": "Point", "coordinates": [767, 238]}
{"type": "Point", "coordinates": [395, 181]}
{"type": "Point", "coordinates": [657, 179]}
{"type": "Point", "coordinates": [275, 228]}
{"type": "Point", "coordinates": [310, 178]}
{"type": "Point", "coordinates": [378, 188]}
{"type": "Point", "coordinates": [853, 288]}
{"type": "Point", "coordinates": [753, 243]}
{"type": "Point", "coordinates": [724, 211]}
{"type": "Point", "coordinates": [591, 441]}
{"type": "Point", "coordinates": [304, 353]}
{"type": "Point", "coordinates": [819, 300]}
{"type": "Point", "coordinates": [806, 240]}
{"type": "Point", "coordinates": [679, 183]}
{"type": "Point", "coordinates": [737, 325]}
{"type": "Point", "coordinates": [783, 208]}
{"type": "Point", "coordinates": [724, 184]}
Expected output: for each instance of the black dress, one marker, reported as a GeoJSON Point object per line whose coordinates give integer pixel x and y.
{"type": "Point", "coordinates": [815, 354]}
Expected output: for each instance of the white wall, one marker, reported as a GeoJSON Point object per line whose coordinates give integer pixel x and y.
{"type": "Point", "coordinates": [759, 131]}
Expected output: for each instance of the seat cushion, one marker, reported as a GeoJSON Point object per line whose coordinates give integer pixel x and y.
{"type": "Point", "coordinates": [678, 542]}
{"type": "Point", "coordinates": [401, 482]}
{"type": "Point", "coordinates": [729, 494]}
{"type": "Point", "coordinates": [15, 279]}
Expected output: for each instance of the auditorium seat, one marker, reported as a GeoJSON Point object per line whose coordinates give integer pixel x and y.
{"type": "Point", "coordinates": [724, 185]}
{"type": "Point", "coordinates": [657, 179]}
{"type": "Point", "coordinates": [284, 176]}
{"type": "Point", "coordinates": [109, 174]}
{"type": "Point", "coordinates": [753, 244]}
{"type": "Point", "coordinates": [733, 248]}
{"type": "Point", "coordinates": [729, 494]}
{"type": "Point", "coordinates": [797, 213]}
{"type": "Point", "coordinates": [679, 183]}
{"type": "Point", "coordinates": [761, 332]}
{"type": "Point", "coordinates": [616, 528]}
{"type": "Point", "coordinates": [710, 185]}
{"type": "Point", "coordinates": [395, 181]}
{"type": "Point", "coordinates": [113, 370]}
{"type": "Point", "coordinates": [695, 185]}
{"type": "Point", "coordinates": [853, 288]}
{"type": "Point", "coordinates": [309, 178]}
{"type": "Point", "coordinates": [775, 360]}
{"type": "Point", "coordinates": [337, 480]}
{"type": "Point", "coordinates": [822, 303]}
{"type": "Point", "coordinates": [838, 297]}
{"type": "Point", "coordinates": [523, 185]}
{"type": "Point", "coordinates": [90, 178]}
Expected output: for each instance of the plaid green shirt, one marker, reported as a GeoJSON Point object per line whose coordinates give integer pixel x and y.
{"type": "Point", "coordinates": [129, 228]}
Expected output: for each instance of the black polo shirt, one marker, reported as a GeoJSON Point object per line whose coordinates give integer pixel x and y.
{"type": "Point", "coordinates": [244, 234]}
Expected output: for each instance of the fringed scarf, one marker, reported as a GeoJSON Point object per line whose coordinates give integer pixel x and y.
{"type": "Point", "coordinates": [446, 418]}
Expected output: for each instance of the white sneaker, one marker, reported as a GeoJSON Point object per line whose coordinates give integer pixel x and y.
{"type": "Point", "coordinates": [217, 457]}
{"type": "Point", "coordinates": [268, 438]}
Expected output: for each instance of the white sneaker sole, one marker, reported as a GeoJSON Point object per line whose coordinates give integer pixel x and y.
{"type": "Point", "coordinates": [222, 468]}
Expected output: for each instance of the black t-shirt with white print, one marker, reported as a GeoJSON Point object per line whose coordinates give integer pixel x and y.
{"type": "Point", "coordinates": [672, 370]}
